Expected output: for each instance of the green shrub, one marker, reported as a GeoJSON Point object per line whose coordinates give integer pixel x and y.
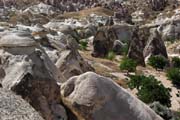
{"type": "Point", "coordinates": [111, 55]}
{"type": "Point", "coordinates": [150, 89]}
{"type": "Point", "coordinates": [83, 45]}
{"type": "Point", "coordinates": [158, 62]}
{"type": "Point", "coordinates": [125, 49]}
{"type": "Point", "coordinates": [128, 64]}
{"type": "Point", "coordinates": [176, 62]}
{"type": "Point", "coordinates": [174, 75]}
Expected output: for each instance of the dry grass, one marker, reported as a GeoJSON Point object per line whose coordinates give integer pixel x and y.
{"type": "Point", "coordinates": [85, 13]}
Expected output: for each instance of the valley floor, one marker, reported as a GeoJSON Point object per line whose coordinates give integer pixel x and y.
{"type": "Point", "coordinates": [110, 69]}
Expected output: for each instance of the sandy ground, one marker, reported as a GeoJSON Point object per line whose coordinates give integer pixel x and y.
{"type": "Point", "coordinates": [175, 100]}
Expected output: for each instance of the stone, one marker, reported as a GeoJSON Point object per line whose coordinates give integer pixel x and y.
{"type": "Point", "coordinates": [29, 72]}
{"type": "Point", "coordinates": [63, 28]}
{"type": "Point", "coordinates": [13, 107]}
{"type": "Point", "coordinates": [158, 4]}
{"type": "Point", "coordinates": [105, 37]}
{"type": "Point", "coordinates": [155, 45]}
{"type": "Point", "coordinates": [70, 63]}
{"type": "Point", "coordinates": [93, 97]}
{"type": "Point", "coordinates": [137, 45]}
{"type": "Point", "coordinates": [41, 8]}
{"type": "Point", "coordinates": [14, 39]}
{"type": "Point", "coordinates": [118, 47]}
{"type": "Point", "coordinates": [163, 111]}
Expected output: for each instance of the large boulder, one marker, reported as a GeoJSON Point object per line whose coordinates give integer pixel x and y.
{"type": "Point", "coordinates": [93, 97]}
{"type": "Point", "coordinates": [66, 28]}
{"type": "Point", "coordinates": [29, 72]}
{"type": "Point", "coordinates": [13, 107]}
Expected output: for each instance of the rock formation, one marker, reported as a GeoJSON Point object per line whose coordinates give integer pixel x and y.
{"type": "Point", "coordinates": [71, 64]}
{"type": "Point", "coordinates": [155, 45]}
{"type": "Point", "coordinates": [158, 4]}
{"type": "Point", "coordinates": [89, 96]}
{"type": "Point", "coordinates": [30, 73]}
{"type": "Point", "coordinates": [137, 45]}
{"type": "Point", "coordinates": [106, 36]}
{"type": "Point", "coordinates": [13, 107]}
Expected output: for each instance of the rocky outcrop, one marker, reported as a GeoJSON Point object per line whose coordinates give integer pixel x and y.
{"type": "Point", "coordinates": [155, 45]}
{"type": "Point", "coordinates": [89, 96]}
{"type": "Point", "coordinates": [71, 64]}
{"type": "Point", "coordinates": [41, 8]}
{"type": "Point", "coordinates": [63, 50]}
{"type": "Point", "coordinates": [30, 73]}
{"type": "Point", "coordinates": [137, 45]}
{"type": "Point", "coordinates": [13, 107]}
{"type": "Point", "coordinates": [63, 27]}
{"type": "Point", "coordinates": [106, 36]}
{"type": "Point", "coordinates": [146, 41]}
{"type": "Point", "coordinates": [158, 4]}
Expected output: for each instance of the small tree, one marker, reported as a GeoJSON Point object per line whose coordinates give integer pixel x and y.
{"type": "Point", "coordinates": [111, 55]}
{"type": "Point", "coordinates": [150, 89]}
{"type": "Point", "coordinates": [157, 62]}
{"type": "Point", "coordinates": [174, 75]}
{"type": "Point", "coordinates": [176, 62]}
{"type": "Point", "coordinates": [128, 64]}
{"type": "Point", "coordinates": [83, 45]}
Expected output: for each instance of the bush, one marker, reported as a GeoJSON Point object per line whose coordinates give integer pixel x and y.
{"type": "Point", "coordinates": [174, 75]}
{"type": "Point", "coordinates": [128, 64]}
{"type": "Point", "coordinates": [157, 62]}
{"type": "Point", "coordinates": [176, 62]}
{"type": "Point", "coordinates": [111, 55]}
{"type": "Point", "coordinates": [150, 89]}
{"type": "Point", "coordinates": [125, 49]}
{"type": "Point", "coordinates": [83, 45]}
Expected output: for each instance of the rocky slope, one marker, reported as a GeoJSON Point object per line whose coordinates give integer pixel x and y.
{"type": "Point", "coordinates": [61, 58]}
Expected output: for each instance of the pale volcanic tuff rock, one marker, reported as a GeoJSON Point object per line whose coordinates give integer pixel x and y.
{"type": "Point", "coordinates": [64, 53]}
{"type": "Point", "coordinates": [13, 107]}
{"type": "Point", "coordinates": [63, 27]}
{"type": "Point", "coordinates": [93, 97]}
{"type": "Point", "coordinates": [41, 8]}
{"type": "Point", "coordinates": [30, 73]}
{"type": "Point", "coordinates": [71, 64]}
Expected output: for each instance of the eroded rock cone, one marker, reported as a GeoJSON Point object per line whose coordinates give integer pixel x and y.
{"type": "Point", "coordinates": [155, 45]}
{"type": "Point", "coordinates": [137, 45]}
{"type": "Point", "coordinates": [30, 73]}
{"type": "Point", "coordinates": [106, 36]}
{"type": "Point", "coordinates": [93, 97]}
{"type": "Point", "coordinates": [13, 107]}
